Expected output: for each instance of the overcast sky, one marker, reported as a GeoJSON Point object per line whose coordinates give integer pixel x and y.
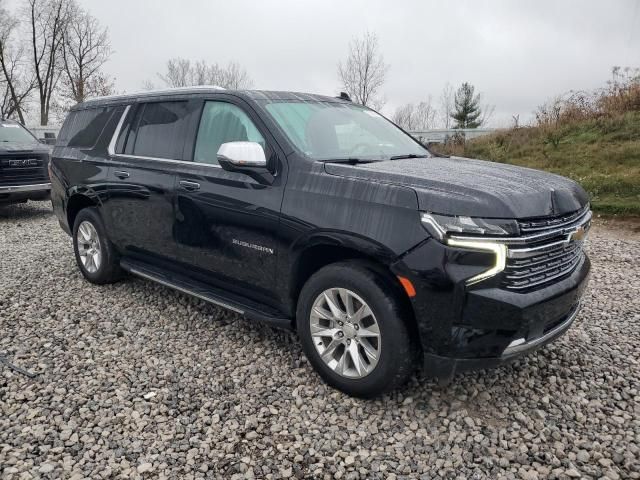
{"type": "Point", "coordinates": [517, 53]}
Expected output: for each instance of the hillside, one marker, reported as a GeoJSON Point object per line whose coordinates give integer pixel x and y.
{"type": "Point", "coordinates": [602, 154]}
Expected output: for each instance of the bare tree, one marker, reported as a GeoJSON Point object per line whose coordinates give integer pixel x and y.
{"type": "Point", "coordinates": [178, 73]}
{"type": "Point", "coordinates": [15, 83]}
{"type": "Point", "coordinates": [364, 71]}
{"type": "Point", "coordinates": [86, 49]}
{"type": "Point", "coordinates": [446, 105]}
{"type": "Point", "coordinates": [416, 117]}
{"type": "Point", "coordinates": [182, 72]}
{"type": "Point", "coordinates": [487, 114]}
{"type": "Point", "coordinates": [235, 77]}
{"type": "Point", "coordinates": [47, 20]}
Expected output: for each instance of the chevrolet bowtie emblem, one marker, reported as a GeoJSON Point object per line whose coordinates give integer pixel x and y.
{"type": "Point", "coordinates": [578, 234]}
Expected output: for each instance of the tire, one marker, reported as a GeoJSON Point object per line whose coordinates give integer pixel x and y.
{"type": "Point", "coordinates": [99, 270]}
{"type": "Point", "coordinates": [395, 347]}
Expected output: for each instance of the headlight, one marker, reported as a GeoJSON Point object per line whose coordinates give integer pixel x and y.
{"type": "Point", "coordinates": [441, 225]}
{"type": "Point", "coordinates": [469, 233]}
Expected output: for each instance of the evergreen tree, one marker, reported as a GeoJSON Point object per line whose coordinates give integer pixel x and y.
{"type": "Point", "coordinates": [467, 107]}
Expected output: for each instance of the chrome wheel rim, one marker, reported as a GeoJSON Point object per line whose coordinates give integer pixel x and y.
{"type": "Point", "coordinates": [345, 333]}
{"type": "Point", "coordinates": [89, 248]}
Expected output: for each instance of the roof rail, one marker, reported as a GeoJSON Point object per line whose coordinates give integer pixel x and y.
{"type": "Point", "coordinates": [156, 92]}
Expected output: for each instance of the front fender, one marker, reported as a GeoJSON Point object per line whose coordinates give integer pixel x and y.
{"type": "Point", "coordinates": [359, 243]}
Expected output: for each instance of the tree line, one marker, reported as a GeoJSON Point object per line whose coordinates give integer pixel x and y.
{"type": "Point", "coordinates": [53, 53]}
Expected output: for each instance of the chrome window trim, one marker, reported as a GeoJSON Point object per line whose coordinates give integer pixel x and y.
{"type": "Point", "coordinates": [168, 160]}
{"type": "Point", "coordinates": [111, 150]}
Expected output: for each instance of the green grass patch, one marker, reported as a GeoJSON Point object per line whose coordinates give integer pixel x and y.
{"type": "Point", "coordinates": [602, 154]}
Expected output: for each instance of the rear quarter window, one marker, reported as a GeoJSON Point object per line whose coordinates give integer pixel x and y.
{"type": "Point", "coordinates": [82, 128]}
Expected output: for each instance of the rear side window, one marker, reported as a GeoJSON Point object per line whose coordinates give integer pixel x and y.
{"type": "Point", "coordinates": [158, 130]}
{"type": "Point", "coordinates": [82, 128]}
{"type": "Point", "coordinates": [223, 122]}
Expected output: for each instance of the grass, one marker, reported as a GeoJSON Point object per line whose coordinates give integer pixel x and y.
{"type": "Point", "coordinates": [602, 154]}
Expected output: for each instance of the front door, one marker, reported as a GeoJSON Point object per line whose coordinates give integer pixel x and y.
{"type": "Point", "coordinates": [227, 222]}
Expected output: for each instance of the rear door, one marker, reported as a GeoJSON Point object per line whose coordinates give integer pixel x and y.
{"type": "Point", "coordinates": [141, 180]}
{"type": "Point", "coordinates": [226, 223]}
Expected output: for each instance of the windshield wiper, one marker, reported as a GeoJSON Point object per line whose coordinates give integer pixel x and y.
{"type": "Point", "coordinates": [349, 160]}
{"type": "Point", "coordinates": [409, 155]}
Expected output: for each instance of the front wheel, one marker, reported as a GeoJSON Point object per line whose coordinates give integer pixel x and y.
{"type": "Point", "coordinates": [95, 255]}
{"type": "Point", "coordinates": [351, 326]}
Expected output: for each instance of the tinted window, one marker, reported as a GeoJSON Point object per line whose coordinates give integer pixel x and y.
{"type": "Point", "coordinates": [82, 128]}
{"type": "Point", "coordinates": [124, 138]}
{"type": "Point", "coordinates": [159, 130]}
{"type": "Point", "coordinates": [223, 122]}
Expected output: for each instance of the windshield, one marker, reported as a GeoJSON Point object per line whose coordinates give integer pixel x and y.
{"type": "Point", "coordinates": [14, 133]}
{"type": "Point", "coordinates": [332, 130]}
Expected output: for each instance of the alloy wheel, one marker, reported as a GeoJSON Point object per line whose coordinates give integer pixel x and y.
{"type": "Point", "coordinates": [345, 333]}
{"type": "Point", "coordinates": [89, 248]}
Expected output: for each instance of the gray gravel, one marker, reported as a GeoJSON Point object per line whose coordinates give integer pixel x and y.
{"type": "Point", "coordinates": [136, 380]}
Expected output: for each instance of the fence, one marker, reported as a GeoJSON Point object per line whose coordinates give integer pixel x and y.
{"type": "Point", "coordinates": [442, 135]}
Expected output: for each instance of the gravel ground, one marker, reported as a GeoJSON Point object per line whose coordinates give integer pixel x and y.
{"type": "Point", "coordinates": [135, 380]}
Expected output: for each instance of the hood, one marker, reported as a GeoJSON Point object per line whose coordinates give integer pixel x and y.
{"type": "Point", "coordinates": [478, 188]}
{"type": "Point", "coordinates": [23, 147]}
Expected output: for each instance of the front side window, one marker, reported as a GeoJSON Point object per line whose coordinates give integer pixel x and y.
{"type": "Point", "coordinates": [223, 122]}
{"type": "Point", "coordinates": [159, 130]}
{"type": "Point", "coordinates": [331, 130]}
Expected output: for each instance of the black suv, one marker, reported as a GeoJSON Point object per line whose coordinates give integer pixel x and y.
{"type": "Point", "coordinates": [313, 213]}
{"type": "Point", "coordinates": [23, 165]}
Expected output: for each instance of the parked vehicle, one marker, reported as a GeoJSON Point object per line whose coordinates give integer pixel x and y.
{"type": "Point", "coordinates": [313, 213]}
{"type": "Point", "coordinates": [23, 165]}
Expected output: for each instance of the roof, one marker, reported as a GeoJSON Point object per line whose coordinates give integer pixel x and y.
{"type": "Point", "coordinates": [249, 94]}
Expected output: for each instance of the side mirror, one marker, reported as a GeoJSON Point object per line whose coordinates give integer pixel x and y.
{"type": "Point", "coordinates": [242, 156]}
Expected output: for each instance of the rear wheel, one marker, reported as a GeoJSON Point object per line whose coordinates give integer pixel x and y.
{"type": "Point", "coordinates": [95, 255]}
{"type": "Point", "coordinates": [351, 327]}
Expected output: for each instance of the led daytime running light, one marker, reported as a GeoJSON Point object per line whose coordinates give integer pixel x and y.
{"type": "Point", "coordinates": [500, 251]}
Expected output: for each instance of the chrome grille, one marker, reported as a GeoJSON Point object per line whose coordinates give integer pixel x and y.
{"type": "Point", "coordinates": [541, 224]}
{"type": "Point", "coordinates": [546, 252]}
{"type": "Point", "coordinates": [23, 169]}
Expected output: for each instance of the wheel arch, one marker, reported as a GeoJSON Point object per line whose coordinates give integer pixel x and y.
{"type": "Point", "coordinates": [328, 248]}
{"type": "Point", "coordinates": [77, 201]}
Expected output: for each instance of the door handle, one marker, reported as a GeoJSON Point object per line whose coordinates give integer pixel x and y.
{"type": "Point", "coordinates": [189, 186]}
{"type": "Point", "coordinates": [121, 174]}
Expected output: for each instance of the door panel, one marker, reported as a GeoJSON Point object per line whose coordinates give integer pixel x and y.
{"type": "Point", "coordinates": [140, 207]}
{"type": "Point", "coordinates": [227, 227]}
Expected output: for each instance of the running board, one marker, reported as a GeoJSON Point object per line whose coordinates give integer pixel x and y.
{"type": "Point", "coordinates": [216, 296]}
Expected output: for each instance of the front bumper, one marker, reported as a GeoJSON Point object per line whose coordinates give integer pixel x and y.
{"type": "Point", "coordinates": [482, 326]}
{"type": "Point", "coordinates": [21, 193]}
{"type": "Point", "coordinates": [446, 367]}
